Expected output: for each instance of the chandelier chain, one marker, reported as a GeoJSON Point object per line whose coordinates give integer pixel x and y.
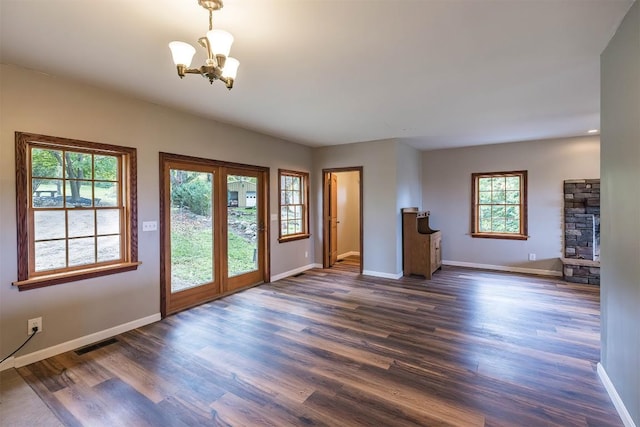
{"type": "Point", "coordinates": [210, 19]}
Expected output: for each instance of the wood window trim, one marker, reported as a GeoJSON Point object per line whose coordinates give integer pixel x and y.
{"type": "Point", "coordinates": [27, 280]}
{"type": "Point", "coordinates": [523, 235]}
{"type": "Point", "coordinates": [305, 205]}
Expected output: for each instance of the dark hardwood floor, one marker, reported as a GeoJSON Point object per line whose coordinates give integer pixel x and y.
{"type": "Point", "coordinates": [350, 264]}
{"type": "Point", "coordinates": [468, 348]}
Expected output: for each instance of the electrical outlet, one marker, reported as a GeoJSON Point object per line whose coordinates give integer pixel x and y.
{"type": "Point", "coordinates": [532, 257]}
{"type": "Point", "coordinates": [32, 323]}
{"type": "Point", "coordinates": [306, 254]}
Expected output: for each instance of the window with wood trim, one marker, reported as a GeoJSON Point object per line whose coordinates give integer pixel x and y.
{"type": "Point", "coordinates": [294, 204]}
{"type": "Point", "coordinates": [76, 209]}
{"type": "Point", "coordinates": [499, 205]}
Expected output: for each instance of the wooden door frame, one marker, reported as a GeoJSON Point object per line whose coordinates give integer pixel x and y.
{"type": "Point", "coordinates": [326, 228]}
{"type": "Point", "coordinates": [263, 215]}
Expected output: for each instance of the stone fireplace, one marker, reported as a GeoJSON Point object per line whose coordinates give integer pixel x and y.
{"type": "Point", "coordinates": [581, 261]}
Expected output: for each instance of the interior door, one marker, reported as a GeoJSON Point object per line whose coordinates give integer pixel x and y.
{"type": "Point", "coordinates": [333, 219]}
{"type": "Point", "coordinates": [244, 233]}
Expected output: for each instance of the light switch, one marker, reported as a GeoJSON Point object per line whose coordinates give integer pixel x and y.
{"type": "Point", "coordinates": [149, 225]}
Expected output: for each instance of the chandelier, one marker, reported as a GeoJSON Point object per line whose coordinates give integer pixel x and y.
{"type": "Point", "coordinates": [219, 65]}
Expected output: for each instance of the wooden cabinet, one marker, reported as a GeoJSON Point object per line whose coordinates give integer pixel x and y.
{"type": "Point", "coordinates": [421, 245]}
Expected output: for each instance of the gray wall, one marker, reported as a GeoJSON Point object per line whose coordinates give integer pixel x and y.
{"type": "Point", "coordinates": [620, 210]}
{"type": "Point", "coordinates": [348, 212]}
{"type": "Point", "coordinates": [379, 199]}
{"type": "Point", "coordinates": [447, 194]}
{"type": "Point", "coordinates": [409, 187]}
{"type": "Point", "coordinates": [37, 103]}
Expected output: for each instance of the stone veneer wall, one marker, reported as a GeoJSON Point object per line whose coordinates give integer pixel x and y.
{"type": "Point", "coordinates": [582, 218]}
{"type": "Point", "coordinates": [582, 231]}
{"type": "Point", "coordinates": [581, 271]}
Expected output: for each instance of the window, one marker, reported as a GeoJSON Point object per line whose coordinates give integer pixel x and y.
{"type": "Point", "coordinates": [76, 210]}
{"type": "Point", "coordinates": [500, 205]}
{"type": "Point", "coordinates": [294, 202]}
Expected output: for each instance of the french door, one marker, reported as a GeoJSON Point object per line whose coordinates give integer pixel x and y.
{"type": "Point", "coordinates": [213, 229]}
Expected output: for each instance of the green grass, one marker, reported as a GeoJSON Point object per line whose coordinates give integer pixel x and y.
{"type": "Point", "coordinates": [240, 255]}
{"type": "Point", "coordinates": [192, 258]}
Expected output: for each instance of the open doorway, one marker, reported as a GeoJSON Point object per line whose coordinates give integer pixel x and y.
{"type": "Point", "coordinates": [342, 219]}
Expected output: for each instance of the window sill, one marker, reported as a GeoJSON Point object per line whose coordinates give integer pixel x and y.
{"type": "Point", "coordinates": [500, 236]}
{"type": "Point", "coordinates": [293, 237]}
{"type": "Point", "coordinates": [56, 279]}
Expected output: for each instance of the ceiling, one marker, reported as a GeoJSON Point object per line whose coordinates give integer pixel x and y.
{"type": "Point", "coordinates": [433, 73]}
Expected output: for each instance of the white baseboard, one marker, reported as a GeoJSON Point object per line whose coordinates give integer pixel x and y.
{"type": "Point", "coordinates": [7, 364]}
{"type": "Point", "coordinates": [294, 271]}
{"type": "Point", "coordinates": [536, 271]}
{"type": "Point", "coordinates": [347, 254]}
{"type": "Point", "coordinates": [381, 274]}
{"type": "Point", "coordinates": [615, 397]}
{"type": "Point", "coordinates": [36, 356]}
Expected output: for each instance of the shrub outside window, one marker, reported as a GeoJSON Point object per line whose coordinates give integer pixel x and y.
{"type": "Point", "coordinates": [76, 210]}
{"type": "Point", "coordinates": [499, 205]}
{"type": "Point", "coordinates": [293, 197]}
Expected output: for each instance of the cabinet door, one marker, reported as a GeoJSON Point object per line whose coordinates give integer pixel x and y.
{"type": "Point", "coordinates": [433, 252]}
{"type": "Point", "coordinates": [437, 252]}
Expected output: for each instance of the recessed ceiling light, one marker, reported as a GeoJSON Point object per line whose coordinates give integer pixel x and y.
{"type": "Point", "coordinates": [592, 131]}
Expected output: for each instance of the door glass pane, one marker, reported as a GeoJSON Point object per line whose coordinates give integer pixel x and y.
{"type": "Point", "coordinates": [191, 229]}
{"type": "Point", "coordinates": [242, 223]}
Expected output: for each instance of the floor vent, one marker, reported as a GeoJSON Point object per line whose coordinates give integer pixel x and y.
{"type": "Point", "coordinates": [298, 275]}
{"type": "Point", "coordinates": [87, 349]}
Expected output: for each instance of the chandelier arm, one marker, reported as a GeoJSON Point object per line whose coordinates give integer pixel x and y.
{"type": "Point", "coordinates": [192, 71]}
{"type": "Point", "coordinates": [204, 42]}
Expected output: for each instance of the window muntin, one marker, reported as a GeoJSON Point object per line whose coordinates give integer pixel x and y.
{"type": "Point", "coordinates": [500, 205]}
{"type": "Point", "coordinates": [293, 202]}
{"type": "Point", "coordinates": [76, 207]}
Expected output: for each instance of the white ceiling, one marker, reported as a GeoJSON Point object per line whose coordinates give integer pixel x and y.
{"type": "Point", "coordinates": [433, 73]}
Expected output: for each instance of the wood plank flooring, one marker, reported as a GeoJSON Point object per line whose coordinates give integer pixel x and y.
{"type": "Point", "coordinates": [333, 348]}
{"type": "Point", "coordinates": [349, 264]}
